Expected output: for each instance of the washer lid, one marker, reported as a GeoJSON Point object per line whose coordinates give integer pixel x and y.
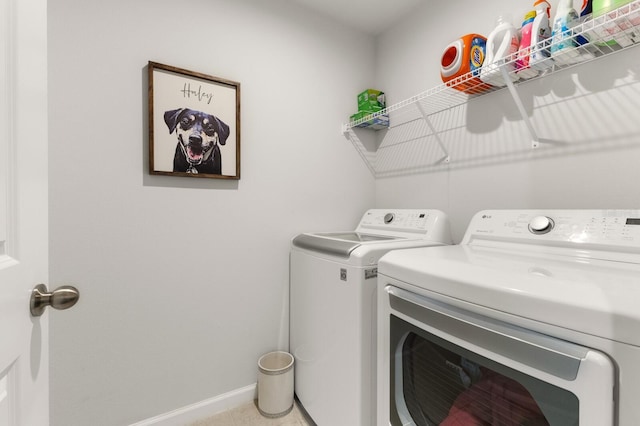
{"type": "Point", "coordinates": [337, 243]}
{"type": "Point", "coordinates": [356, 236]}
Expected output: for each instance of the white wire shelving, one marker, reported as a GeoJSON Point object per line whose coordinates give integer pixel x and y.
{"type": "Point", "coordinates": [596, 38]}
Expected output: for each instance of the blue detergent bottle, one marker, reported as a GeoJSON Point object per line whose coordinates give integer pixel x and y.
{"type": "Point", "coordinates": [564, 49]}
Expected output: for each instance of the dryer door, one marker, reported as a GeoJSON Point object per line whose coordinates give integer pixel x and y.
{"type": "Point", "coordinates": [450, 367]}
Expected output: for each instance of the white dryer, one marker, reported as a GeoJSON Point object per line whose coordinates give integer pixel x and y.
{"type": "Point", "coordinates": [333, 309]}
{"type": "Point", "coordinates": [533, 319]}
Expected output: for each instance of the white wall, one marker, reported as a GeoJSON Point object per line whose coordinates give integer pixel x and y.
{"type": "Point", "coordinates": [589, 111]}
{"type": "Point", "coordinates": [184, 282]}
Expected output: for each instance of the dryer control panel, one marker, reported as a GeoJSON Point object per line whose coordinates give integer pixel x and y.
{"type": "Point", "coordinates": [611, 230]}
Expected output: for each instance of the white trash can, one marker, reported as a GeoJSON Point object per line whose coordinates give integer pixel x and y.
{"type": "Point", "coordinates": [275, 384]}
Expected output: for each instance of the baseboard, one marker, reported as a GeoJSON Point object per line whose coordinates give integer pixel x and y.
{"type": "Point", "coordinates": [203, 409]}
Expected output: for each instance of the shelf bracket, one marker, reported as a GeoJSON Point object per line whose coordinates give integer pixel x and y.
{"type": "Point", "coordinates": [446, 157]}
{"type": "Point", "coordinates": [535, 141]}
{"type": "Point", "coordinates": [368, 157]}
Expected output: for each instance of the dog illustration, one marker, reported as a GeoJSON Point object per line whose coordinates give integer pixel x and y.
{"type": "Point", "coordinates": [199, 137]}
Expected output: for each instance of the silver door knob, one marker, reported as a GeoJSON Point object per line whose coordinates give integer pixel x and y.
{"type": "Point", "coordinates": [61, 298]}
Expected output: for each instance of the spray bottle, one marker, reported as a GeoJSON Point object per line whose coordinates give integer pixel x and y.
{"type": "Point", "coordinates": [502, 44]}
{"type": "Point", "coordinates": [564, 48]}
{"type": "Point", "coordinates": [540, 58]}
{"type": "Point", "coordinates": [582, 40]}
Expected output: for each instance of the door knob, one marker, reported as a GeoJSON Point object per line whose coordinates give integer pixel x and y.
{"type": "Point", "coordinates": [61, 298]}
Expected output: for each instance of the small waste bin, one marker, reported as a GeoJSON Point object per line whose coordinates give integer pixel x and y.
{"type": "Point", "coordinates": [275, 384]}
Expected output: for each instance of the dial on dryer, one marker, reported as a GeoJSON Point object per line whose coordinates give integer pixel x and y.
{"type": "Point", "coordinates": [541, 225]}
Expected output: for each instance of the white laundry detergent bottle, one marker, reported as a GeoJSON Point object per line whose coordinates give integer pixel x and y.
{"type": "Point", "coordinates": [540, 58]}
{"type": "Point", "coordinates": [564, 48]}
{"type": "Point", "coordinates": [502, 45]}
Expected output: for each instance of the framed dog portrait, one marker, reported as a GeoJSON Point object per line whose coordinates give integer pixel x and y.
{"type": "Point", "coordinates": [194, 124]}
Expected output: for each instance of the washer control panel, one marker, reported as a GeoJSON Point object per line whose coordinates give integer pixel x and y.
{"type": "Point", "coordinates": [601, 227]}
{"type": "Point", "coordinates": [407, 223]}
{"type": "Point", "coordinates": [396, 219]}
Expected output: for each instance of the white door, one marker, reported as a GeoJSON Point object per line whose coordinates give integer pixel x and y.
{"type": "Point", "coordinates": [24, 384]}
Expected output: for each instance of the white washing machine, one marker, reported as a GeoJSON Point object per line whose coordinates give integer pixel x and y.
{"type": "Point", "coordinates": [333, 302]}
{"type": "Point", "coordinates": [532, 320]}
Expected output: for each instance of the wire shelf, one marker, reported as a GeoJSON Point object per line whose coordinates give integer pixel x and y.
{"type": "Point", "coordinates": [593, 38]}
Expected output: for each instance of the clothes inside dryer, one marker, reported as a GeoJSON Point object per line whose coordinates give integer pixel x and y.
{"type": "Point", "coordinates": [447, 385]}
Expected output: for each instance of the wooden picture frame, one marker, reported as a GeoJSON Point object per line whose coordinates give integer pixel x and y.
{"type": "Point", "coordinates": [194, 124]}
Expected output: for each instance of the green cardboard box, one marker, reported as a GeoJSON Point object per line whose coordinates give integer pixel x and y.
{"type": "Point", "coordinates": [371, 100]}
{"type": "Point", "coordinates": [370, 109]}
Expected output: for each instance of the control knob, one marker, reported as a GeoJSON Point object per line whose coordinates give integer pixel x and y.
{"type": "Point", "coordinates": [541, 225]}
{"type": "Point", "coordinates": [388, 218]}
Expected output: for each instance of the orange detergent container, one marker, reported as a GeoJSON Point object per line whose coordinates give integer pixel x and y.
{"type": "Point", "coordinates": [462, 57]}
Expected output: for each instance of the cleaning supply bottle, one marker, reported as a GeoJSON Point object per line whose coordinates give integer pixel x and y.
{"type": "Point", "coordinates": [582, 40]}
{"type": "Point", "coordinates": [502, 44]}
{"type": "Point", "coordinates": [541, 37]}
{"type": "Point", "coordinates": [564, 48]}
{"type": "Point", "coordinates": [461, 62]}
{"type": "Point", "coordinates": [524, 53]}
{"type": "Point", "coordinates": [585, 13]}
